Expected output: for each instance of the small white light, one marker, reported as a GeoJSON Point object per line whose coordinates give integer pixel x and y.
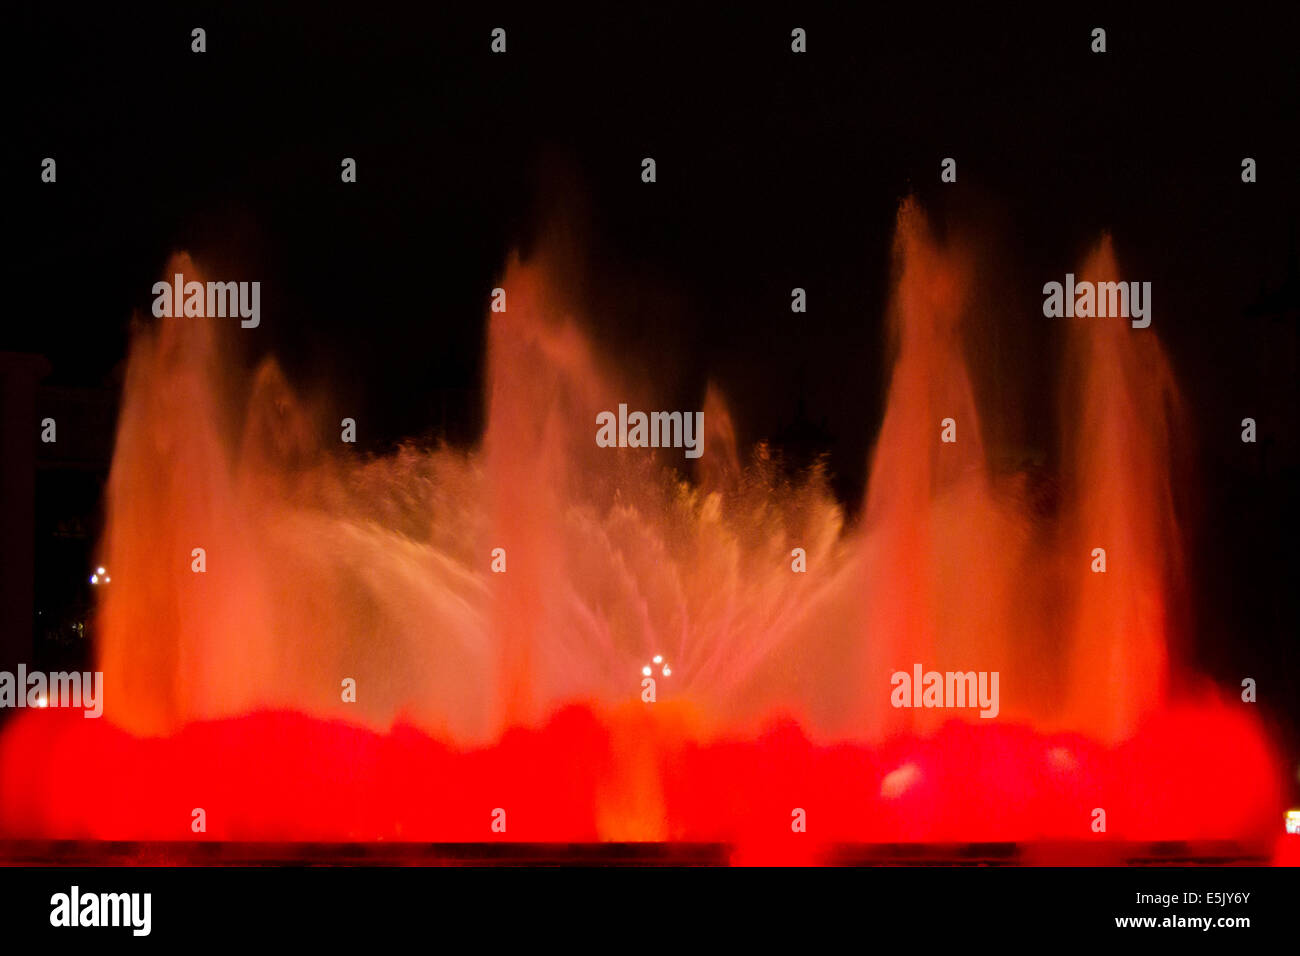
{"type": "Point", "coordinates": [99, 570]}
{"type": "Point", "coordinates": [646, 670]}
{"type": "Point", "coordinates": [897, 782]}
{"type": "Point", "coordinates": [94, 579]}
{"type": "Point", "coordinates": [1293, 821]}
{"type": "Point", "coordinates": [42, 702]}
{"type": "Point", "coordinates": [659, 658]}
{"type": "Point", "coordinates": [667, 670]}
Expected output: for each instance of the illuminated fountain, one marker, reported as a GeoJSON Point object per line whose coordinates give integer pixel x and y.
{"type": "Point", "coordinates": [521, 689]}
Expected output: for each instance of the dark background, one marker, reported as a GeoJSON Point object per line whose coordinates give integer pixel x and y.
{"type": "Point", "coordinates": [775, 170]}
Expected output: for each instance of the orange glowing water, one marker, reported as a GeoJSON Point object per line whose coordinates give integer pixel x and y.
{"type": "Point", "coordinates": [323, 566]}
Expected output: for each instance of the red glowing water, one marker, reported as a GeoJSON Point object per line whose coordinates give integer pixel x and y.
{"type": "Point", "coordinates": [522, 690]}
{"type": "Point", "coordinates": [1190, 773]}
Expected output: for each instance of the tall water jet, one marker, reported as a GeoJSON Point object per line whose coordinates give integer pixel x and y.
{"type": "Point", "coordinates": [941, 552]}
{"type": "Point", "coordinates": [1119, 409]}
